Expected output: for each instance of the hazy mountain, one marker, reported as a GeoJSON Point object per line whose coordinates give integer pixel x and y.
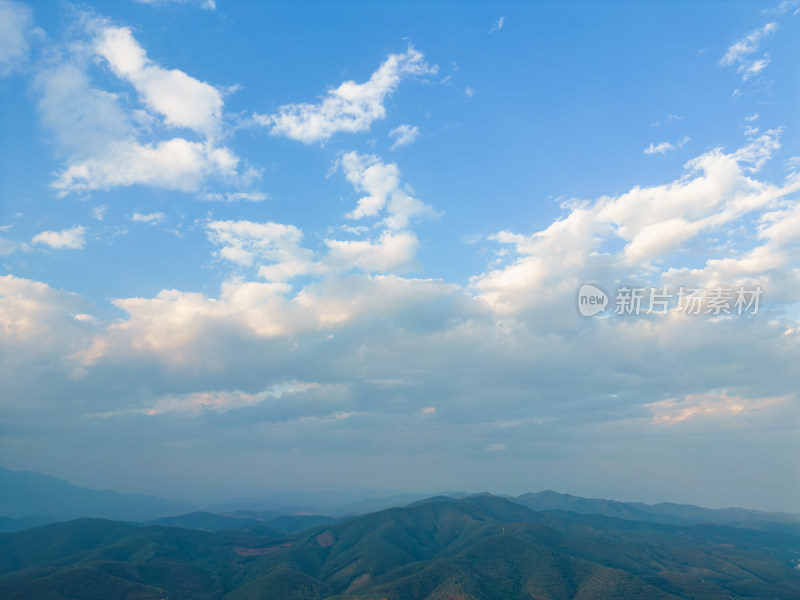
{"type": "Point", "coordinates": [28, 499]}
{"type": "Point", "coordinates": [665, 512]}
{"type": "Point", "coordinates": [331, 502]}
{"type": "Point", "coordinates": [20, 523]}
{"type": "Point", "coordinates": [28, 494]}
{"type": "Point", "coordinates": [479, 547]}
{"type": "Point", "coordinates": [266, 523]}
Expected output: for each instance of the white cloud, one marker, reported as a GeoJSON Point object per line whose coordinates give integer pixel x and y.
{"type": "Point", "coordinates": [711, 404]}
{"type": "Point", "coordinates": [392, 253]}
{"type": "Point", "coordinates": [647, 226]}
{"type": "Point", "coordinates": [203, 4]}
{"type": "Point", "coordinates": [351, 107]}
{"type": "Point", "coordinates": [150, 218]}
{"type": "Point", "coordinates": [104, 138]}
{"type": "Point", "coordinates": [752, 117]}
{"type": "Point", "coordinates": [247, 243]}
{"type": "Point", "coordinates": [381, 182]}
{"type": "Point", "coordinates": [185, 329]}
{"type": "Point", "coordinates": [740, 52]}
{"type": "Point", "coordinates": [83, 120]}
{"type": "Point", "coordinates": [346, 323]}
{"type": "Point", "coordinates": [36, 319]}
{"type": "Point", "coordinates": [404, 135]}
{"type": "Point", "coordinates": [783, 8]}
{"type": "Point", "coordinates": [175, 164]}
{"type": "Point", "coordinates": [754, 68]}
{"type": "Point", "coordinates": [498, 25]}
{"type": "Point", "coordinates": [182, 100]}
{"type": "Point", "coordinates": [71, 239]}
{"type": "Point", "coordinates": [234, 197]}
{"type": "Point", "coordinates": [15, 23]}
{"type": "Point", "coordinates": [665, 147]}
{"type": "Point", "coordinates": [469, 92]}
{"type": "Point", "coordinates": [276, 251]}
{"type": "Point", "coordinates": [769, 264]}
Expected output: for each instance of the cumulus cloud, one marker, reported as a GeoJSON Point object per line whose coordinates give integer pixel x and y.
{"type": "Point", "coordinates": [276, 250]}
{"type": "Point", "coordinates": [180, 99]}
{"type": "Point", "coordinates": [381, 182]}
{"type": "Point", "coordinates": [650, 224]}
{"type": "Point", "coordinates": [246, 243]}
{"type": "Point", "coordinates": [381, 349]}
{"type": "Point", "coordinates": [352, 107]}
{"type": "Point", "coordinates": [39, 329]}
{"type": "Point", "coordinates": [391, 253]}
{"type": "Point", "coordinates": [740, 53]}
{"type": "Point", "coordinates": [403, 135]}
{"type": "Point", "coordinates": [175, 164]}
{"type": "Point", "coordinates": [108, 142]}
{"type": "Point", "coordinates": [71, 239]}
{"type": "Point", "coordinates": [177, 327]}
{"type": "Point", "coordinates": [769, 263]}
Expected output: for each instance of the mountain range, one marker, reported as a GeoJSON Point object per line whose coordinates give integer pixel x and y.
{"type": "Point", "coordinates": [543, 546]}
{"type": "Point", "coordinates": [478, 547]}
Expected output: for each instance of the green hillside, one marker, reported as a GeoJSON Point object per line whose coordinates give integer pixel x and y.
{"type": "Point", "coordinates": [480, 547]}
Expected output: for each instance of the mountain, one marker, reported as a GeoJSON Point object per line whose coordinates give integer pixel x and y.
{"type": "Point", "coordinates": [28, 499]}
{"type": "Point", "coordinates": [264, 523]}
{"type": "Point", "coordinates": [474, 548]}
{"type": "Point", "coordinates": [20, 523]}
{"type": "Point", "coordinates": [665, 512]}
{"type": "Point", "coordinates": [28, 494]}
{"type": "Point", "coordinates": [330, 502]}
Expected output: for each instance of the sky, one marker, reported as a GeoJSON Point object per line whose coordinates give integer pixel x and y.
{"type": "Point", "coordinates": [258, 247]}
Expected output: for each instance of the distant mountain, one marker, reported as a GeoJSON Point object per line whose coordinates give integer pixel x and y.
{"type": "Point", "coordinates": [20, 523]}
{"type": "Point", "coordinates": [212, 522]}
{"type": "Point", "coordinates": [28, 494]}
{"type": "Point", "coordinates": [481, 547]}
{"type": "Point", "coordinates": [330, 502]}
{"type": "Point", "coordinates": [266, 523]}
{"type": "Point", "coordinates": [665, 512]}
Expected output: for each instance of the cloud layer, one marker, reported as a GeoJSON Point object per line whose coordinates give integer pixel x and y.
{"type": "Point", "coordinates": [351, 107]}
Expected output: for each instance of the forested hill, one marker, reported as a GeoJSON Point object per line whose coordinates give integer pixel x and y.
{"type": "Point", "coordinates": [478, 547]}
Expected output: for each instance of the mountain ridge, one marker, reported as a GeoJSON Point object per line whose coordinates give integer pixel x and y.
{"type": "Point", "coordinates": [481, 547]}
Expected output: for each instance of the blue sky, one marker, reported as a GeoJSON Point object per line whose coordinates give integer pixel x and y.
{"type": "Point", "coordinates": [256, 247]}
